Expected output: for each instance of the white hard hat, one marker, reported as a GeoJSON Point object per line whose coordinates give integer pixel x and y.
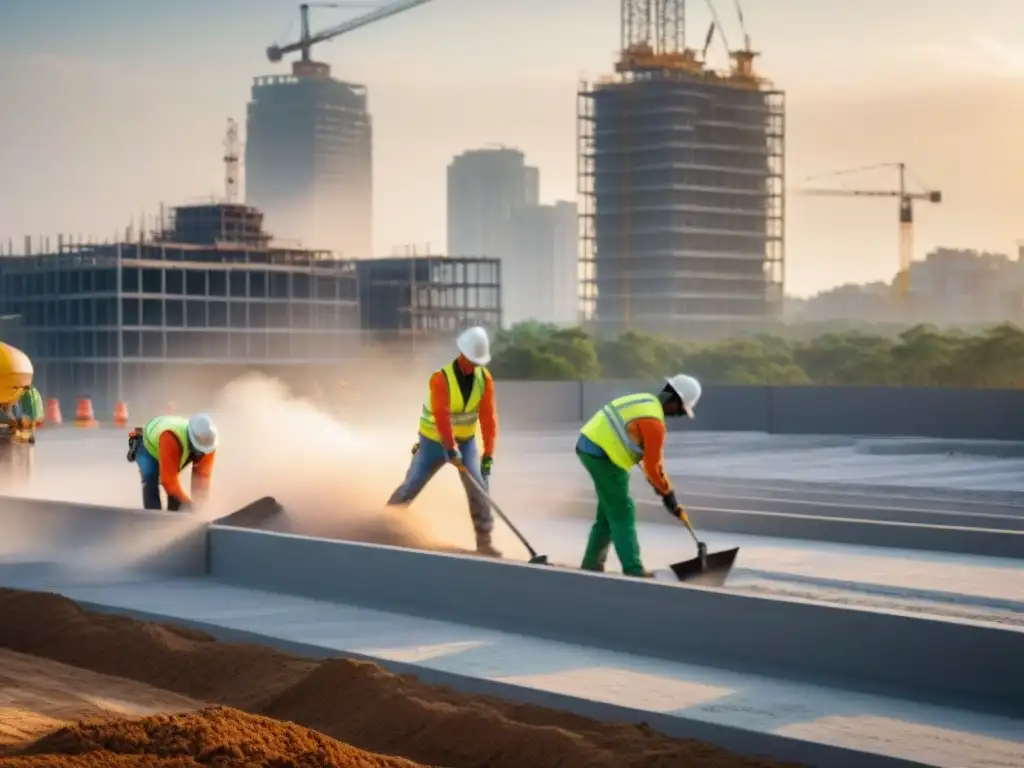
{"type": "Point", "coordinates": [202, 433]}
{"type": "Point", "coordinates": [474, 344]}
{"type": "Point", "coordinates": [688, 389]}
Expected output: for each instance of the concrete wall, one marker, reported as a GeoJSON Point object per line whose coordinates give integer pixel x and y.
{"type": "Point", "coordinates": [971, 666]}
{"type": "Point", "coordinates": [960, 664]}
{"type": "Point", "coordinates": [859, 526]}
{"type": "Point", "coordinates": [99, 538]}
{"type": "Point", "coordinates": [899, 412]}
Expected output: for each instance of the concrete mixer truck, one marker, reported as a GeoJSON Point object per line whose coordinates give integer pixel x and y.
{"type": "Point", "coordinates": [21, 410]}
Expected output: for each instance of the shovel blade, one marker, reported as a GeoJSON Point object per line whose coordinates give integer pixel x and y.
{"type": "Point", "coordinates": [539, 560]}
{"type": "Point", "coordinates": [254, 515]}
{"type": "Point", "coordinates": [712, 572]}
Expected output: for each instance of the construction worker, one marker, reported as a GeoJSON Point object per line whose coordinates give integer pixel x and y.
{"type": "Point", "coordinates": [163, 448]}
{"type": "Point", "coordinates": [460, 395]}
{"type": "Point", "coordinates": [24, 414]}
{"type": "Point", "coordinates": [21, 410]}
{"type": "Point", "coordinates": [630, 430]}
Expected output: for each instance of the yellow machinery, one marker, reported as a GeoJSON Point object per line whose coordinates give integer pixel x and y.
{"type": "Point", "coordinates": [17, 430]}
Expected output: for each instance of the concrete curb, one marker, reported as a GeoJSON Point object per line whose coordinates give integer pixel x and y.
{"type": "Point", "coordinates": [908, 656]}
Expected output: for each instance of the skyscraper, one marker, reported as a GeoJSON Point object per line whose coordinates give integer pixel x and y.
{"type": "Point", "coordinates": [308, 160]}
{"type": "Point", "coordinates": [541, 281]}
{"type": "Point", "coordinates": [494, 210]}
{"type": "Point", "coordinates": [485, 188]}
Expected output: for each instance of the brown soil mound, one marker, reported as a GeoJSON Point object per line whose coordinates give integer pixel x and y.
{"type": "Point", "coordinates": [172, 658]}
{"type": "Point", "coordinates": [38, 695]}
{"type": "Point", "coordinates": [355, 702]}
{"type": "Point", "coordinates": [217, 736]}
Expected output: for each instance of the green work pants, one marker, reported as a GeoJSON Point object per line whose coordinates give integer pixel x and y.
{"type": "Point", "coordinates": [616, 518]}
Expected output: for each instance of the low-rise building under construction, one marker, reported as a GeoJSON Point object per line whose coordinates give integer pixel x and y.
{"type": "Point", "coordinates": [178, 314]}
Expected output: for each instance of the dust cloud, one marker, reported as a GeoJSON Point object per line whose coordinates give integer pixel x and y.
{"type": "Point", "coordinates": [330, 459]}
{"type": "Point", "coordinates": [332, 478]}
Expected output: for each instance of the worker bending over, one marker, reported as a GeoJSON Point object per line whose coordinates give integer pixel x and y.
{"type": "Point", "coordinates": [163, 448]}
{"type": "Point", "coordinates": [461, 395]}
{"type": "Point", "coordinates": [628, 431]}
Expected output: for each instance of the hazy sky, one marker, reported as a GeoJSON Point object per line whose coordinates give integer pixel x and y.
{"type": "Point", "coordinates": [109, 107]}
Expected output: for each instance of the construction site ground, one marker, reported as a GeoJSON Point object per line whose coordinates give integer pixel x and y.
{"type": "Point", "coordinates": [933, 735]}
{"type": "Point", "coordinates": [545, 487]}
{"type": "Point", "coordinates": [120, 675]}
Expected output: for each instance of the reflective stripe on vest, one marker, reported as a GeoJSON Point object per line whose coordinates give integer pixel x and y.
{"type": "Point", "coordinates": [177, 426]}
{"type": "Point", "coordinates": [464, 414]}
{"type": "Point", "coordinates": [608, 428]}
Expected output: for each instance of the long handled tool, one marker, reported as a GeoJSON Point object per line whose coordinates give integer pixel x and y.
{"type": "Point", "coordinates": [709, 569]}
{"type": "Point", "coordinates": [535, 559]}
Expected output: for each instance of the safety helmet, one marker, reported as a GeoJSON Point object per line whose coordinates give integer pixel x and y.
{"type": "Point", "coordinates": [202, 433]}
{"type": "Point", "coordinates": [688, 389]}
{"type": "Point", "coordinates": [474, 344]}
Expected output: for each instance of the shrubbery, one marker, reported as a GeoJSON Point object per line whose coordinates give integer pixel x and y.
{"type": "Point", "coordinates": [921, 356]}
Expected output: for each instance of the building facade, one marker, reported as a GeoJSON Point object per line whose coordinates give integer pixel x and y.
{"type": "Point", "coordinates": [542, 281]}
{"type": "Point", "coordinates": [494, 210]}
{"type": "Point", "coordinates": [145, 320]}
{"type": "Point", "coordinates": [681, 180]}
{"type": "Point", "coordinates": [308, 161]}
{"type": "Point", "coordinates": [428, 295]}
{"type": "Point", "coordinates": [486, 188]}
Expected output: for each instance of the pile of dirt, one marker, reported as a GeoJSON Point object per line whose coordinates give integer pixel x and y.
{"type": "Point", "coordinates": [169, 657]}
{"type": "Point", "coordinates": [216, 736]}
{"type": "Point", "coordinates": [355, 702]}
{"type": "Point", "coordinates": [38, 695]}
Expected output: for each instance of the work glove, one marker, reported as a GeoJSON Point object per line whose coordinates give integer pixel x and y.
{"type": "Point", "coordinates": [415, 448]}
{"type": "Point", "coordinates": [671, 503]}
{"type": "Point", "coordinates": [486, 465]}
{"type": "Point", "coordinates": [453, 455]}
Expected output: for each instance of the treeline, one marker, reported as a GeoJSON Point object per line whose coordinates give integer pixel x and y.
{"type": "Point", "coordinates": [922, 356]}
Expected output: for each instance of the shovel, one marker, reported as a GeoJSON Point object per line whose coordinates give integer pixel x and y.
{"type": "Point", "coordinates": [535, 559]}
{"type": "Point", "coordinates": [707, 569]}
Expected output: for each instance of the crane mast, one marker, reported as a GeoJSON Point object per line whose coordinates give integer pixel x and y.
{"type": "Point", "coordinates": [658, 26]}
{"type": "Point", "coordinates": [906, 200]}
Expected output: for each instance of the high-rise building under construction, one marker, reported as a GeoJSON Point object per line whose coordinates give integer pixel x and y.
{"type": "Point", "coordinates": [681, 182]}
{"type": "Point", "coordinates": [308, 160]}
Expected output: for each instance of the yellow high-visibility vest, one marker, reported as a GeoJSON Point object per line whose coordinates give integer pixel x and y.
{"type": "Point", "coordinates": [608, 427]}
{"type": "Point", "coordinates": [177, 426]}
{"type": "Point", "coordinates": [464, 413]}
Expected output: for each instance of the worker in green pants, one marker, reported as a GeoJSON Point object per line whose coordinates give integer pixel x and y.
{"type": "Point", "coordinates": [628, 431]}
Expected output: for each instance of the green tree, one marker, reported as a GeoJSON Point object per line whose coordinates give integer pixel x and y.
{"type": "Point", "coordinates": [923, 356]}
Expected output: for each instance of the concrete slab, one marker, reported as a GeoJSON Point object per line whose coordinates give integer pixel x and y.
{"type": "Point", "coordinates": [741, 711]}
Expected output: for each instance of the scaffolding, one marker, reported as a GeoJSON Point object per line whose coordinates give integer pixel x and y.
{"type": "Point", "coordinates": [112, 321]}
{"type": "Point", "coordinates": [680, 178]}
{"type": "Point", "coordinates": [422, 295]}
{"type": "Point", "coordinates": [215, 224]}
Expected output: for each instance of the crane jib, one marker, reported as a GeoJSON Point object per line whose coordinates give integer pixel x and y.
{"type": "Point", "coordinates": [274, 53]}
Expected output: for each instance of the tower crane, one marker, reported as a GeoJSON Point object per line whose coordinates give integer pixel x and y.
{"type": "Point", "coordinates": [906, 213]}
{"type": "Point", "coordinates": [307, 40]}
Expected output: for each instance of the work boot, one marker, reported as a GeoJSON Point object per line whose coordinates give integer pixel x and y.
{"type": "Point", "coordinates": [485, 547]}
{"type": "Point", "coordinates": [644, 574]}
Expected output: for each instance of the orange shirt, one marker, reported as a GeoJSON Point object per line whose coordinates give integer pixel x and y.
{"type": "Point", "coordinates": [440, 404]}
{"type": "Point", "coordinates": [649, 434]}
{"type": "Point", "coordinates": [170, 461]}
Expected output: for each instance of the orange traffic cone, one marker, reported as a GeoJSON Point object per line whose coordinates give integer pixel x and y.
{"type": "Point", "coordinates": [121, 414]}
{"type": "Point", "coordinates": [84, 415]}
{"type": "Point", "coordinates": [52, 415]}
